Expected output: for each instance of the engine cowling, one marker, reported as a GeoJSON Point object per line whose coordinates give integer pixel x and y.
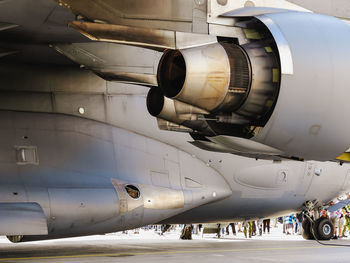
{"type": "Point", "coordinates": [285, 87]}
{"type": "Point", "coordinates": [308, 119]}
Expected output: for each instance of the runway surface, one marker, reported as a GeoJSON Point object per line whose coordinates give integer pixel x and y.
{"type": "Point", "coordinates": [155, 248]}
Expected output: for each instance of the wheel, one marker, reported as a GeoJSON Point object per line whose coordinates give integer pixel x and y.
{"type": "Point", "coordinates": [323, 229]}
{"type": "Point", "coordinates": [306, 230]}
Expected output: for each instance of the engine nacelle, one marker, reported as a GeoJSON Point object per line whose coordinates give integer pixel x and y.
{"type": "Point", "coordinates": [286, 87]}
{"type": "Point", "coordinates": [309, 119]}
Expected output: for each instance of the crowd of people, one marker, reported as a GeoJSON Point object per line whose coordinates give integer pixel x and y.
{"type": "Point", "coordinates": [292, 224]}
{"type": "Point", "coordinates": [340, 219]}
{"type": "Point", "coordinates": [250, 228]}
{"type": "Point", "coordinates": [337, 211]}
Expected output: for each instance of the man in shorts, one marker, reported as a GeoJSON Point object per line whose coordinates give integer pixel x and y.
{"type": "Point", "coordinates": [334, 217]}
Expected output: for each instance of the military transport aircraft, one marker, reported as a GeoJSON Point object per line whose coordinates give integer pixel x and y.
{"type": "Point", "coordinates": [121, 113]}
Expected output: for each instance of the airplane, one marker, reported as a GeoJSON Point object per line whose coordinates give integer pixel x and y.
{"type": "Point", "coordinates": [119, 114]}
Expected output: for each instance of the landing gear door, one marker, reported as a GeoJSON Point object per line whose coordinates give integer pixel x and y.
{"type": "Point", "coordinates": [306, 178]}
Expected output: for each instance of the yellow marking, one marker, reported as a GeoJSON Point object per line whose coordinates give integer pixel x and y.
{"type": "Point", "coordinates": [344, 157]}
{"type": "Point", "coordinates": [269, 103]}
{"type": "Point", "coordinates": [164, 252]}
{"type": "Point", "coordinates": [268, 49]}
{"type": "Point", "coordinates": [275, 75]}
{"type": "Point", "coordinates": [251, 34]}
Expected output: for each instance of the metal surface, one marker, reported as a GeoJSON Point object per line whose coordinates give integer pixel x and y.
{"type": "Point", "coordinates": [114, 62]}
{"type": "Point", "coordinates": [151, 197]}
{"type": "Point", "coordinates": [4, 26]}
{"type": "Point", "coordinates": [127, 77]}
{"type": "Point", "coordinates": [253, 11]}
{"type": "Point", "coordinates": [23, 218]}
{"type": "Point", "coordinates": [144, 37]}
{"type": "Point", "coordinates": [236, 84]}
{"type": "Point", "coordinates": [77, 207]}
{"type": "Point", "coordinates": [189, 40]}
{"type": "Point", "coordinates": [264, 81]}
{"type": "Point", "coordinates": [228, 31]}
{"type": "Point", "coordinates": [148, 38]}
{"type": "Point", "coordinates": [162, 107]}
{"type": "Point", "coordinates": [337, 8]}
{"type": "Point", "coordinates": [272, 177]}
{"type": "Point", "coordinates": [211, 146]}
{"type": "Point", "coordinates": [88, 132]}
{"type": "Point", "coordinates": [171, 110]}
{"type": "Point", "coordinates": [92, 205]}
{"type": "Point", "coordinates": [175, 112]}
{"type": "Point", "coordinates": [170, 126]}
{"type": "Point", "coordinates": [216, 9]}
{"type": "Point", "coordinates": [245, 145]}
{"type": "Point", "coordinates": [223, 148]}
{"type": "Point", "coordinates": [203, 75]}
{"type": "Point", "coordinates": [285, 54]}
{"type": "Point", "coordinates": [303, 123]}
{"type": "Point", "coordinates": [240, 78]}
{"type": "Point", "coordinates": [101, 56]}
{"type": "Point", "coordinates": [179, 15]}
{"type": "Point", "coordinates": [101, 152]}
{"type": "Point", "coordinates": [4, 53]}
{"type": "Point", "coordinates": [162, 198]}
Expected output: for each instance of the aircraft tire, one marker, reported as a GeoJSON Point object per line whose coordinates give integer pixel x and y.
{"type": "Point", "coordinates": [323, 229]}
{"type": "Point", "coordinates": [306, 230]}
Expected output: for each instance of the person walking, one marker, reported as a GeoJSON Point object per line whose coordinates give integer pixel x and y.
{"type": "Point", "coordinates": [253, 228]}
{"type": "Point", "coordinates": [266, 223]}
{"type": "Point", "coordinates": [186, 233]}
{"type": "Point", "coordinates": [299, 221]}
{"type": "Point", "coordinates": [334, 217]}
{"type": "Point", "coordinates": [233, 227]}
{"type": "Point", "coordinates": [288, 222]}
{"type": "Point", "coordinates": [346, 212]}
{"type": "Point", "coordinates": [248, 228]}
{"type": "Point", "coordinates": [260, 226]}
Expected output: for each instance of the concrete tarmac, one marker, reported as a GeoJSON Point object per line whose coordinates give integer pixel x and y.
{"type": "Point", "coordinates": [155, 248]}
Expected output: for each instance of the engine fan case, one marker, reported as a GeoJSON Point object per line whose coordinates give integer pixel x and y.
{"type": "Point", "coordinates": [310, 119]}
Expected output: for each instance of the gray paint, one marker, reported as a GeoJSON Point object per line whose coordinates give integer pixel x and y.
{"type": "Point", "coordinates": [79, 157]}
{"type": "Point", "coordinates": [317, 90]}
{"type": "Point", "coordinates": [81, 154]}
{"type": "Point", "coordinates": [22, 219]}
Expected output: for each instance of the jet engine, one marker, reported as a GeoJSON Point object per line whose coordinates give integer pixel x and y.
{"type": "Point", "coordinates": [284, 86]}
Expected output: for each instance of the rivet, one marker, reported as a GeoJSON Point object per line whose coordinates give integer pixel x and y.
{"type": "Point", "coordinates": [222, 2]}
{"type": "Point", "coordinates": [81, 110]}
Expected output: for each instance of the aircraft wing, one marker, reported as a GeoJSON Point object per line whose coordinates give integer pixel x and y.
{"type": "Point", "coordinates": [205, 57]}
{"type": "Point", "coordinates": [160, 26]}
